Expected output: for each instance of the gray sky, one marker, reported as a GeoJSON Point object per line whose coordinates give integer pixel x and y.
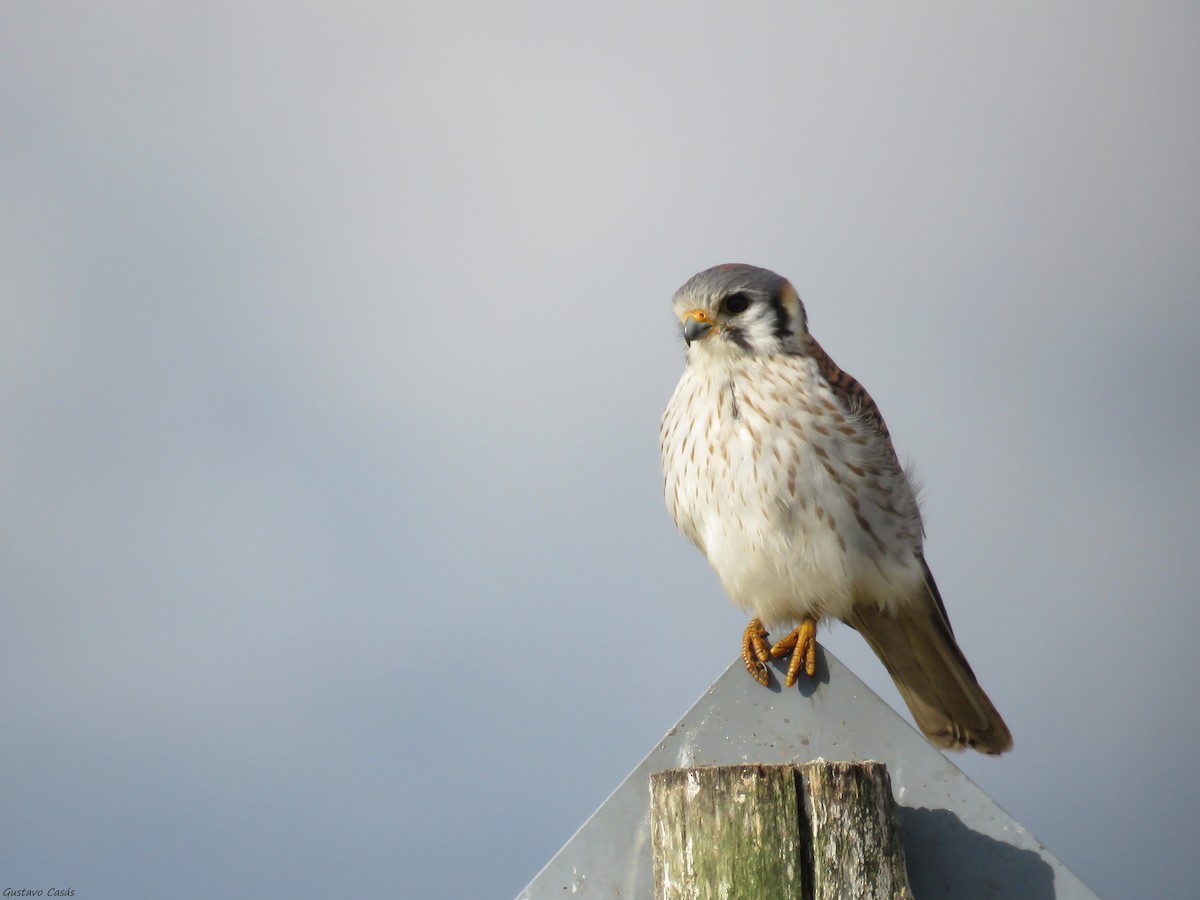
{"type": "Point", "coordinates": [333, 559]}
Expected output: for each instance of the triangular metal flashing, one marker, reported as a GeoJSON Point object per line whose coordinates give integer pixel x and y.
{"type": "Point", "coordinates": [957, 840]}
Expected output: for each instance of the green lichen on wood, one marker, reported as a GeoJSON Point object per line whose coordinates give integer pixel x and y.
{"type": "Point", "coordinates": [726, 832]}
{"type": "Point", "coordinates": [821, 831]}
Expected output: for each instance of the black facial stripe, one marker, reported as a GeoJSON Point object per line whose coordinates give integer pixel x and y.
{"type": "Point", "coordinates": [781, 325]}
{"type": "Point", "coordinates": [738, 335]}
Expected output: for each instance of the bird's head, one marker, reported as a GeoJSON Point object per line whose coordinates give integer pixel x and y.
{"type": "Point", "coordinates": [737, 309]}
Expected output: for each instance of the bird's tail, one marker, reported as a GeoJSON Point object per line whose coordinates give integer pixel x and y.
{"type": "Point", "coordinates": [918, 649]}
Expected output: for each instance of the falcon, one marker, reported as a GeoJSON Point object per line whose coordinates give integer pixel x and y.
{"type": "Point", "coordinates": [778, 466]}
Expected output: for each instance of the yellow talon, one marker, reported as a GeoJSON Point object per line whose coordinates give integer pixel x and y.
{"type": "Point", "coordinates": [756, 651]}
{"type": "Point", "coordinates": [802, 644]}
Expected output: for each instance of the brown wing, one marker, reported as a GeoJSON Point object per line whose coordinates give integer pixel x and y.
{"type": "Point", "coordinates": [917, 645]}
{"type": "Point", "coordinates": [852, 394]}
{"type": "Point", "coordinates": [855, 398]}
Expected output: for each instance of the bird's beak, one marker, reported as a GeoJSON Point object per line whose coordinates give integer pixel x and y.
{"type": "Point", "coordinates": [696, 324]}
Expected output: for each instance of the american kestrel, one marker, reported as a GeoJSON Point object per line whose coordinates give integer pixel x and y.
{"type": "Point", "coordinates": [779, 467]}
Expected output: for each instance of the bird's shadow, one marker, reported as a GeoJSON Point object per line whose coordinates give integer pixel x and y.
{"type": "Point", "coordinates": [947, 859]}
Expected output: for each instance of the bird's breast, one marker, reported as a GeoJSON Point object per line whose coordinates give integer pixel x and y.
{"type": "Point", "coordinates": [786, 491]}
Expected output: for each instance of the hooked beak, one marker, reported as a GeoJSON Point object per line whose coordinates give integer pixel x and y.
{"type": "Point", "coordinates": [696, 324]}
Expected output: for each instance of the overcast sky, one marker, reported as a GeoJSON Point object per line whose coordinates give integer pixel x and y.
{"type": "Point", "coordinates": [333, 558]}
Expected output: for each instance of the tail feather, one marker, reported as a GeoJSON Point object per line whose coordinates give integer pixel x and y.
{"type": "Point", "coordinates": [920, 653]}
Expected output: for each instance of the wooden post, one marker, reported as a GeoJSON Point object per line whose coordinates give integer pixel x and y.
{"type": "Point", "coordinates": [855, 838]}
{"type": "Point", "coordinates": [817, 831]}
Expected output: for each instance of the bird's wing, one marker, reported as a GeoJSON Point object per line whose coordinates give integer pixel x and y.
{"type": "Point", "coordinates": [853, 395]}
{"type": "Point", "coordinates": [932, 674]}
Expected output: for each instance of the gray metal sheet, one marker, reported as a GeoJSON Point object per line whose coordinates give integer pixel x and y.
{"type": "Point", "coordinates": [958, 842]}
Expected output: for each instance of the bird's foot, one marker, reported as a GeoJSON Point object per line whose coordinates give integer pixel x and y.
{"type": "Point", "coordinates": [756, 652]}
{"type": "Point", "coordinates": [802, 644]}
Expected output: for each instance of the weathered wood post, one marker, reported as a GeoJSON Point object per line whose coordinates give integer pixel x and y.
{"type": "Point", "coordinates": [820, 830]}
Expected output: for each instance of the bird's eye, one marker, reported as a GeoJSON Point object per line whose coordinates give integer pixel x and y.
{"type": "Point", "coordinates": [735, 303]}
